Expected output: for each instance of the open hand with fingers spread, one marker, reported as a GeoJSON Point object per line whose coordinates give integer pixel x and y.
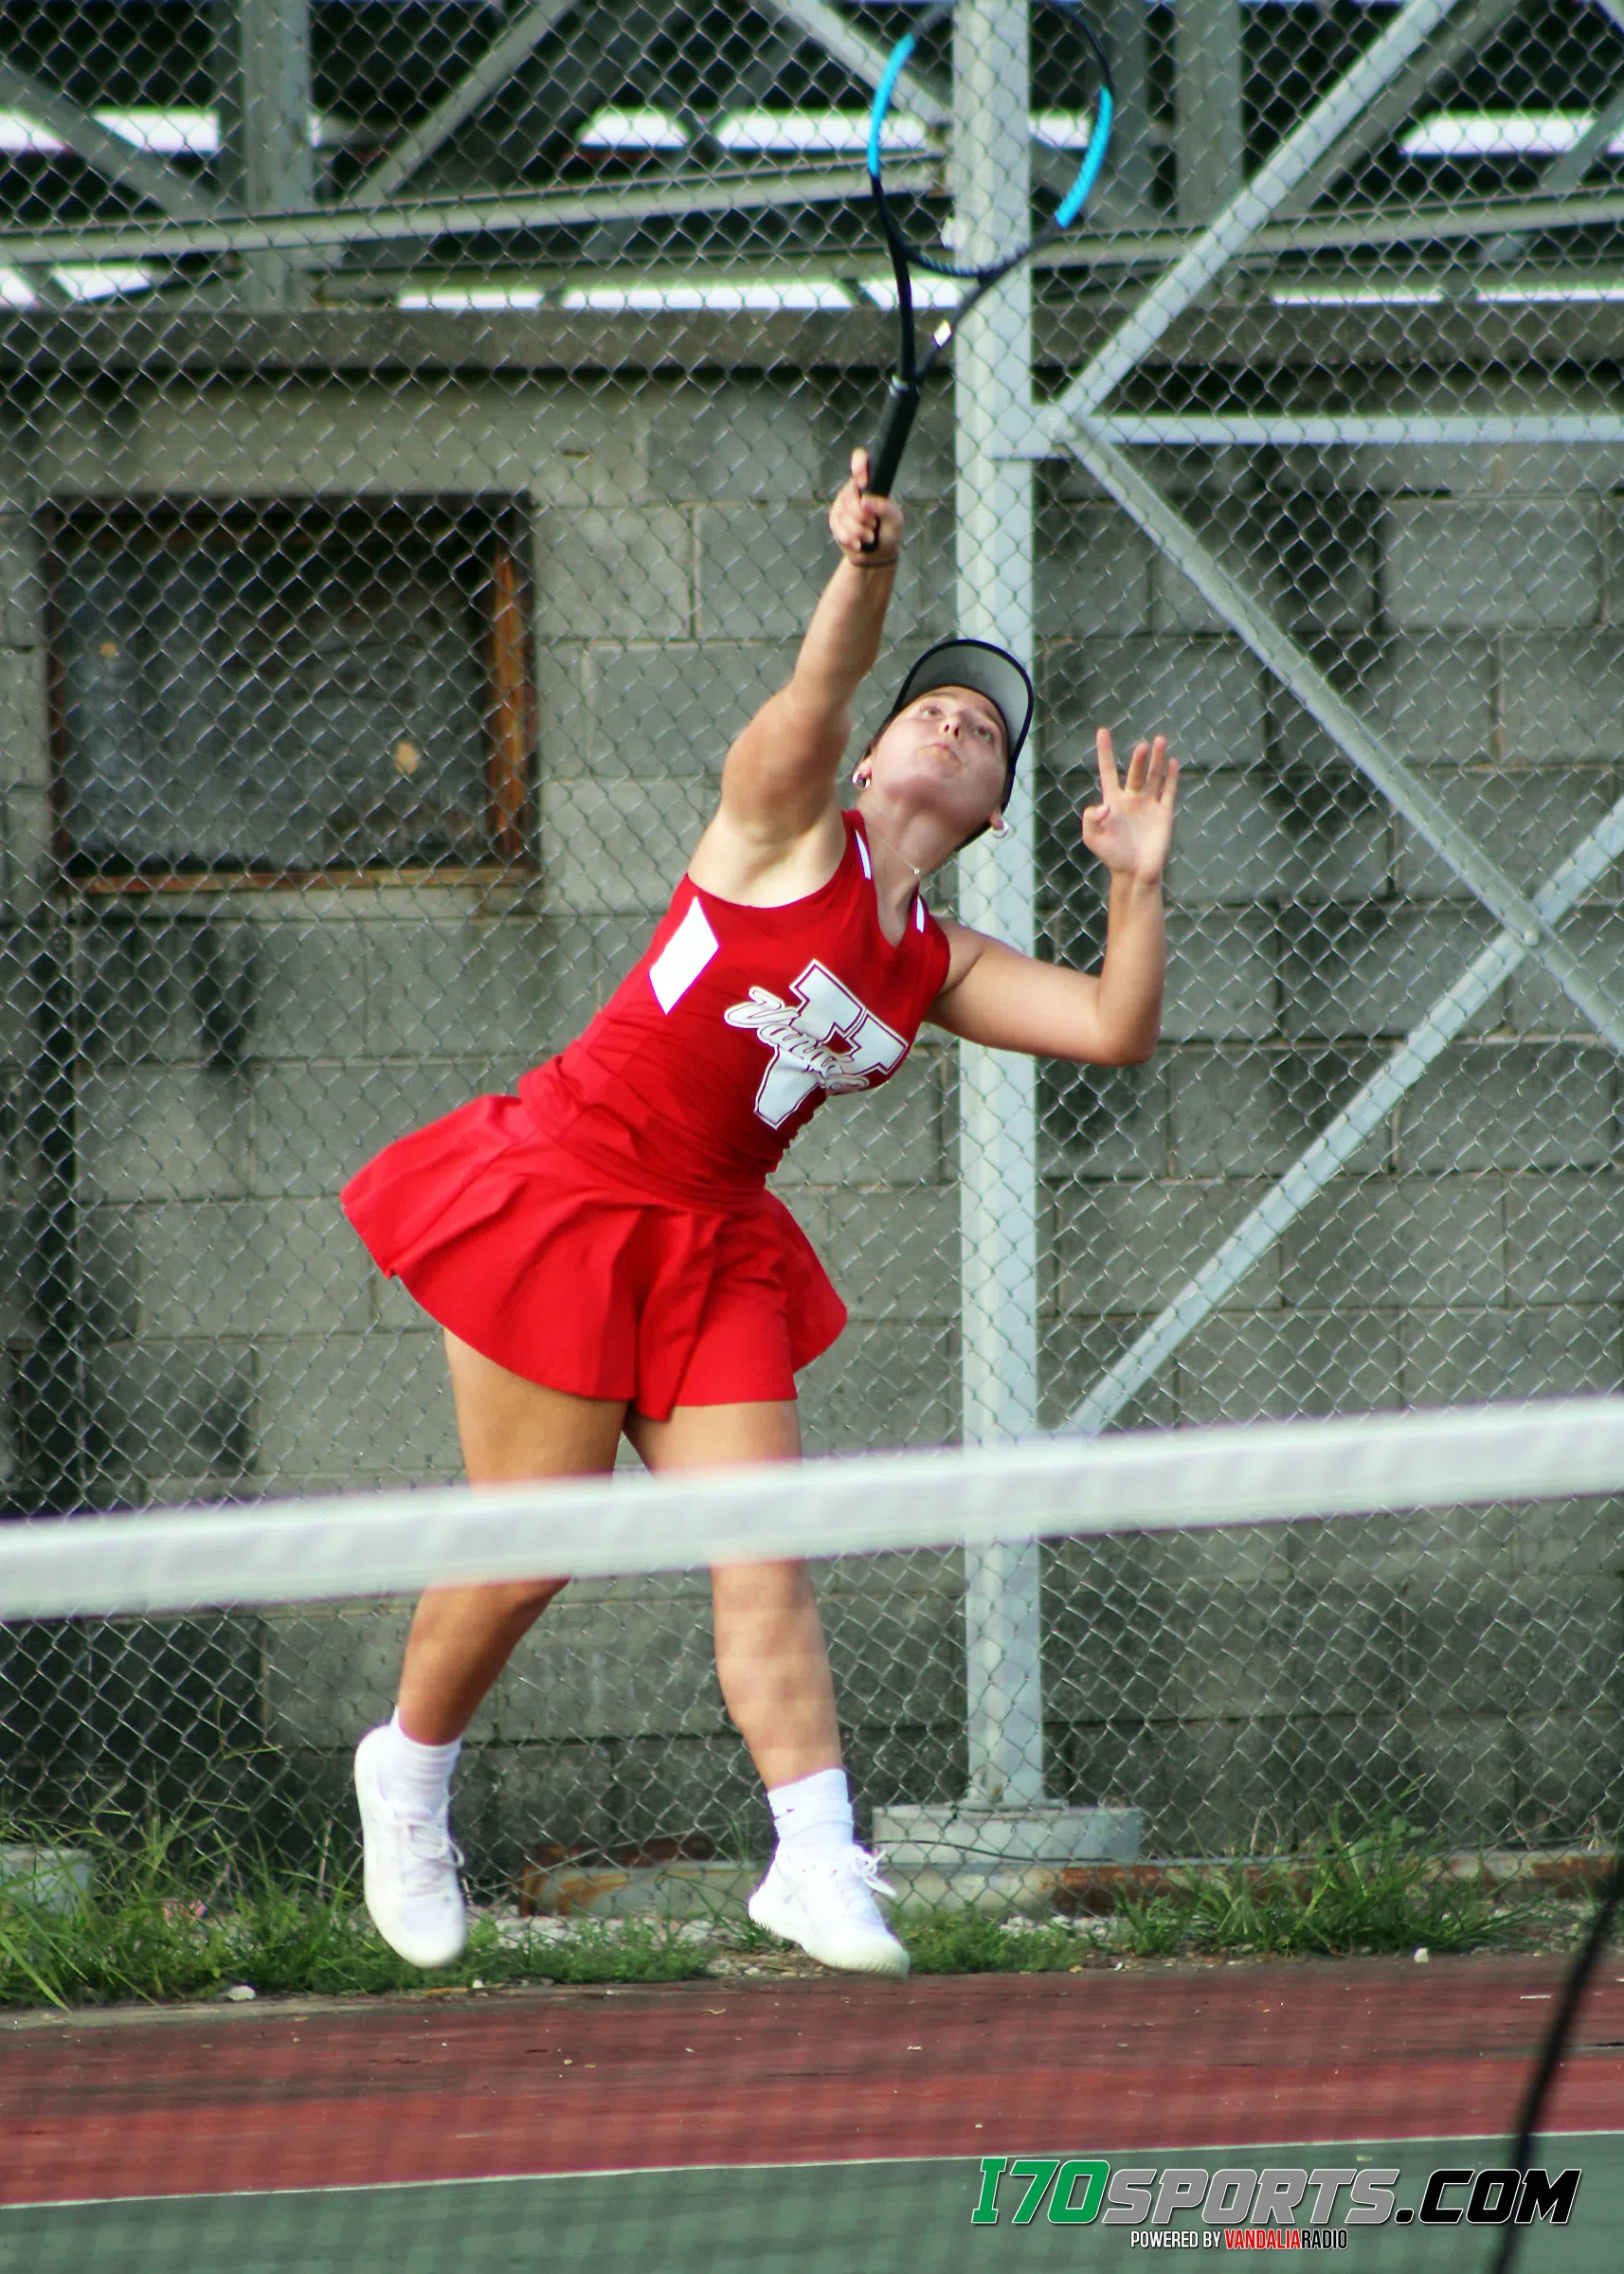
{"type": "Point", "coordinates": [1132, 827]}
{"type": "Point", "coordinates": [868, 530]}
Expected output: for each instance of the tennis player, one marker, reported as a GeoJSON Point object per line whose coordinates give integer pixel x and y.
{"type": "Point", "coordinates": [601, 1250]}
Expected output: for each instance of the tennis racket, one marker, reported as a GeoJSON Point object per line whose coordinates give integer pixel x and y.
{"type": "Point", "coordinates": [1086, 76]}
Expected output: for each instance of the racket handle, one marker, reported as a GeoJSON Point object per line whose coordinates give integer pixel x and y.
{"type": "Point", "coordinates": [885, 451]}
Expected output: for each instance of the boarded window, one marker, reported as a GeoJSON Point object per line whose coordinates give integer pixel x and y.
{"type": "Point", "coordinates": [274, 690]}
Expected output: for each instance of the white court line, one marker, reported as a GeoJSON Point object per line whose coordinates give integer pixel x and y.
{"type": "Point", "coordinates": [827, 2163]}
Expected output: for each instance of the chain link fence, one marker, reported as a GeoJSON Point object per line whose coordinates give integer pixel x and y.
{"type": "Point", "coordinates": [418, 420]}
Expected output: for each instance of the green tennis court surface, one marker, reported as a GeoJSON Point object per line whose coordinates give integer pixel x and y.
{"type": "Point", "coordinates": [812, 2219]}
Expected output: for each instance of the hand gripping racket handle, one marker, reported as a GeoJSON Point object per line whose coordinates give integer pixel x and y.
{"type": "Point", "coordinates": [885, 451]}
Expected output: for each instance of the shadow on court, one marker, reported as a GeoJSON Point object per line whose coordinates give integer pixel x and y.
{"type": "Point", "coordinates": [820, 2125]}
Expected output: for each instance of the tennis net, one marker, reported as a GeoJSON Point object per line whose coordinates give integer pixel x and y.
{"type": "Point", "coordinates": [1319, 2030]}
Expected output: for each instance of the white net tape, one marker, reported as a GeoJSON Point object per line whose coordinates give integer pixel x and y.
{"type": "Point", "coordinates": [1181, 1480]}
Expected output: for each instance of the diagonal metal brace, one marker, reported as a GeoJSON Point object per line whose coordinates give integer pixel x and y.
{"type": "Point", "coordinates": [1291, 664]}
{"type": "Point", "coordinates": [113, 157]}
{"type": "Point", "coordinates": [1342, 1137]}
{"type": "Point", "coordinates": [817, 21]}
{"type": "Point", "coordinates": [1456, 44]}
{"type": "Point", "coordinates": [1309, 142]}
{"type": "Point", "coordinates": [493, 68]}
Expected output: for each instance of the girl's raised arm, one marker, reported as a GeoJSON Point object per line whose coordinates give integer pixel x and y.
{"type": "Point", "coordinates": [1112, 1017]}
{"type": "Point", "coordinates": [779, 781]}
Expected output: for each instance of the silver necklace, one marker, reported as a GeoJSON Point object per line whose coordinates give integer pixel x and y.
{"type": "Point", "coordinates": [917, 875]}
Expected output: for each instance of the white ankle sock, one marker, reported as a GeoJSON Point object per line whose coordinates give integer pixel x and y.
{"type": "Point", "coordinates": [813, 1816]}
{"type": "Point", "coordinates": [418, 1776]}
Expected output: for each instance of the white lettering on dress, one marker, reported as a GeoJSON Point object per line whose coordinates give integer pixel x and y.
{"type": "Point", "coordinates": [801, 1038]}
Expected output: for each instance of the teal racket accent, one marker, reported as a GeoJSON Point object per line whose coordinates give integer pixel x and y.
{"type": "Point", "coordinates": [902, 399]}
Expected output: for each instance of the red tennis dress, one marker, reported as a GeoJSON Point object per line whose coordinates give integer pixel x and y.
{"type": "Point", "coordinates": [608, 1231]}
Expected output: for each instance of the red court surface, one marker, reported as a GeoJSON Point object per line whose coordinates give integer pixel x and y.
{"type": "Point", "coordinates": [796, 2071]}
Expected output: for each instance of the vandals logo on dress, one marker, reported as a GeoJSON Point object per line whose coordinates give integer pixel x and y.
{"type": "Point", "coordinates": [825, 1040]}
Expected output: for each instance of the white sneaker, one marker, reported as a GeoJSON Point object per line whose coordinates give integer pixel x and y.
{"type": "Point", "coordinates": [411, 1864]}
{"type": "Point", "coordinates": [828, 1907]}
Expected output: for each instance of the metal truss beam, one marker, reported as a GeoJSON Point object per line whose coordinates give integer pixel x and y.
{"type": "Point", "coordinates": [1285, 431]}
{"type": "Point", "coordinates": [1245, 214]}
{"type": "Point", "coordinates": [338, 226]}
{"type": "Point", "coordinates": [1290, 663]}
{"type": "Point", "coordinates": [1567, 171]}
{"type": "Point", "coordinates": [1324, 143]}
{"type": "Point", "coordinates": [504, 56]}
{"type": "Point", "coordinates": [112, 156]}
{"type": "Point", "coordinates": [350, 224]}
{"type": "Point", "coordinates": [1457, 42]}
{"type": "Point", "coordinates": [1424, 223]}
{"type": "Point", "coordinates": [496, 66]}
{"type": "Point", "coordinates": [1528, 927]}
{"type": "Point", "coordinates": [861, 58]}
{"type": "Point", "coordinates": [1344, 1137]}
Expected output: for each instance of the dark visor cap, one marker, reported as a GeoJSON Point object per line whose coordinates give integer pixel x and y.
{"type": "Point", "coordinates": [988, 670]}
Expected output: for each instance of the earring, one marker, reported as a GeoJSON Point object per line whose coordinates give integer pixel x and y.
{"type": "Point", "coordinates": [999, 827]}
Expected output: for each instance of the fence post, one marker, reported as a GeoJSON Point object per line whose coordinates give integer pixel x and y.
{"type": "Point", "coordinates": [997, 1141]}
{"type": "Point", "coordinates": [1005, 1817]}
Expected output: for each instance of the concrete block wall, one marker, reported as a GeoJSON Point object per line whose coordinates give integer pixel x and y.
{"type": "Point", "coordinates": [236, 1340]}
{"type": "Point", "coordinates": [1472, 1252]}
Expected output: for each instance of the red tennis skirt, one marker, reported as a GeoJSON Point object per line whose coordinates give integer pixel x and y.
{"type": "Point", "coordinates": [562, 1273]}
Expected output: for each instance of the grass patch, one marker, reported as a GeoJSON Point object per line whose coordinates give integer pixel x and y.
{"type": "Point", "coordinates": [168, 1919]}
{"type": "Point", "coordinates": [1382, 1890]}
{"type": "Point", "coordinates": [971, 1942]}
{"type": "Point", "coordinates": [175, 1913]}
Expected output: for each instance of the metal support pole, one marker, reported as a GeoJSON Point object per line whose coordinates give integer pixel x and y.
{"type": "Point", "coordinates": [264, 117]}
{"type": "Point", "coordinates": [1126, 193]}
{"type": "Point", "coordinates": [998, 1093]}
{"type": "Point", "coordinates": [1206, 105]}
{"type": "Point", "coordinates": [1344, 1136]}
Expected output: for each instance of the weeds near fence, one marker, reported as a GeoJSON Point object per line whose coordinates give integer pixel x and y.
{"type": "Point", "coordinates": [171, 1914]}
{"type": "Point", "coordinates": [1382, 1890]}
{"type": "Point", "coordinates": [166, 1919]}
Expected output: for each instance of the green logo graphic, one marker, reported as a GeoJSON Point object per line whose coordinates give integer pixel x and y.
{"type": "Point", "coordinates": [1055, 2176]}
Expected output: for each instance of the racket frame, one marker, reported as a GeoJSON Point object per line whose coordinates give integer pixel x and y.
{"type": "Point", "coordinates": [908, 378]}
